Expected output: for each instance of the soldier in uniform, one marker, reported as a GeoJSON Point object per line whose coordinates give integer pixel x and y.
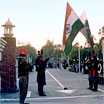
{"type": "Point", "coordinates": [23, 71]}
{"type": "Point", "coordinates": [40, 68]}
{"type": "Point", "coordinates": [93, 72]}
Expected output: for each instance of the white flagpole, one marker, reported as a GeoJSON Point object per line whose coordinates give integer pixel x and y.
{"type": "Point", "coordinates": [103, 52]}
{"type": "Point", "coordinates": [79, 57]}
{"type": "Point", "coordinates": [102, 43]}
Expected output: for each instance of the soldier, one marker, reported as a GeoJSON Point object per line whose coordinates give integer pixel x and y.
{"type": "Point", "coordinates": [23, 70]}
{"type": "Point", "coordinates": [93, 72]}
{"type": "Point", "coordinates": [40, 68]}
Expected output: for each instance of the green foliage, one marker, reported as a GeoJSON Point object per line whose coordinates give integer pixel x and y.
{"type": "Point", "coordinates": [73, 53]}
{"type": "Point", "coordinates": [48, 49]}
{"type": "Point", "coordinates": [52, 51]}
{"type": "Point", "coordinates": [98, 50]}
{"type": "Point", "coordinates": [31, 51]}
{"type": "Point", "coordinates": [84, 52]}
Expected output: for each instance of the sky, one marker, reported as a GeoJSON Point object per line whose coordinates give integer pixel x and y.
{"type": "Point", "coordinates": [37, 21]}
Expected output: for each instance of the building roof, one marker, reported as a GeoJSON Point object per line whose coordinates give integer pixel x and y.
{"type": "Point", "coordinates": [8, 23]}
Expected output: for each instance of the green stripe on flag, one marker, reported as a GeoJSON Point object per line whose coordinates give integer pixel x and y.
{"type": "Point", "coordinates": [75, 29]}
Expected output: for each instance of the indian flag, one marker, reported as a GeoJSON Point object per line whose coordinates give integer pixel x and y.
{"type": "Point", "coordinates": [86, 29]}
{"type": "Point", "coordinates": [87, 33]}
{"type": "Point", "coordinates": [71, 27]}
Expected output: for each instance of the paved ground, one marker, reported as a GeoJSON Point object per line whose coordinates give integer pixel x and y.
{"type": "Point", "coordinates": [57, 80]}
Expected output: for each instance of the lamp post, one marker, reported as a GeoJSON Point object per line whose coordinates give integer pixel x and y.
{"type": "Point", "coordinates": [79, 58]}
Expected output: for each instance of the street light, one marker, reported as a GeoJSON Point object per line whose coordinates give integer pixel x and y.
{"type": "Point", "coordinates": [79, 58]}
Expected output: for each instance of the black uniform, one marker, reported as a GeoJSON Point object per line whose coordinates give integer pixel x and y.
{"type": "Point", "coordinates": [93, 73]}
{"type": "Point", "coordinates": [40, 68]}
{"type": "Point", "coordinates": [23, 70]}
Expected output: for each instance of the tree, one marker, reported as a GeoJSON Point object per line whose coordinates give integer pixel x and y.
{"type": "Point", "coordinates": [48, 49]}
{"type": "Point", "coordinates": [53, 52]}
{"type": "Point", "coordinates": [98, 50]}
{"type": "Point", "coordinates": [31, 51]}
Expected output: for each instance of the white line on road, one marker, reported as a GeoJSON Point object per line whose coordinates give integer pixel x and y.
{"type": "Point", "coordinates": [66, 97]}
{"type": "Point", "coordinates": [101, 90]}
{"type": "Point", "coordinates": [28, 94]}
{"type": "Point", "coordinates": [55, 98]}
{"type": "Point", "coordinates": [59, 83]}
{"type": "Point", "coordinates": [66, 91]}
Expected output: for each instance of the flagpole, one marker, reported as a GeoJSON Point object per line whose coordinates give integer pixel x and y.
{"type": "Point", "coordinates": [102, 43]}
{"type": "Point", "coordinates": [79, 57]}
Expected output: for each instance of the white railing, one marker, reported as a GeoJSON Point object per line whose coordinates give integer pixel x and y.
{"type": "Point", "coordinates": [2, 46]}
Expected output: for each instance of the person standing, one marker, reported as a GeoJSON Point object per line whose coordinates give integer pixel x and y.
{"type": "Point", "coordinates": [40, 68]}
{"type": "Point", "coordinates": [93, 72]}
{"type": "Point", "coordinates": [23, 71]}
